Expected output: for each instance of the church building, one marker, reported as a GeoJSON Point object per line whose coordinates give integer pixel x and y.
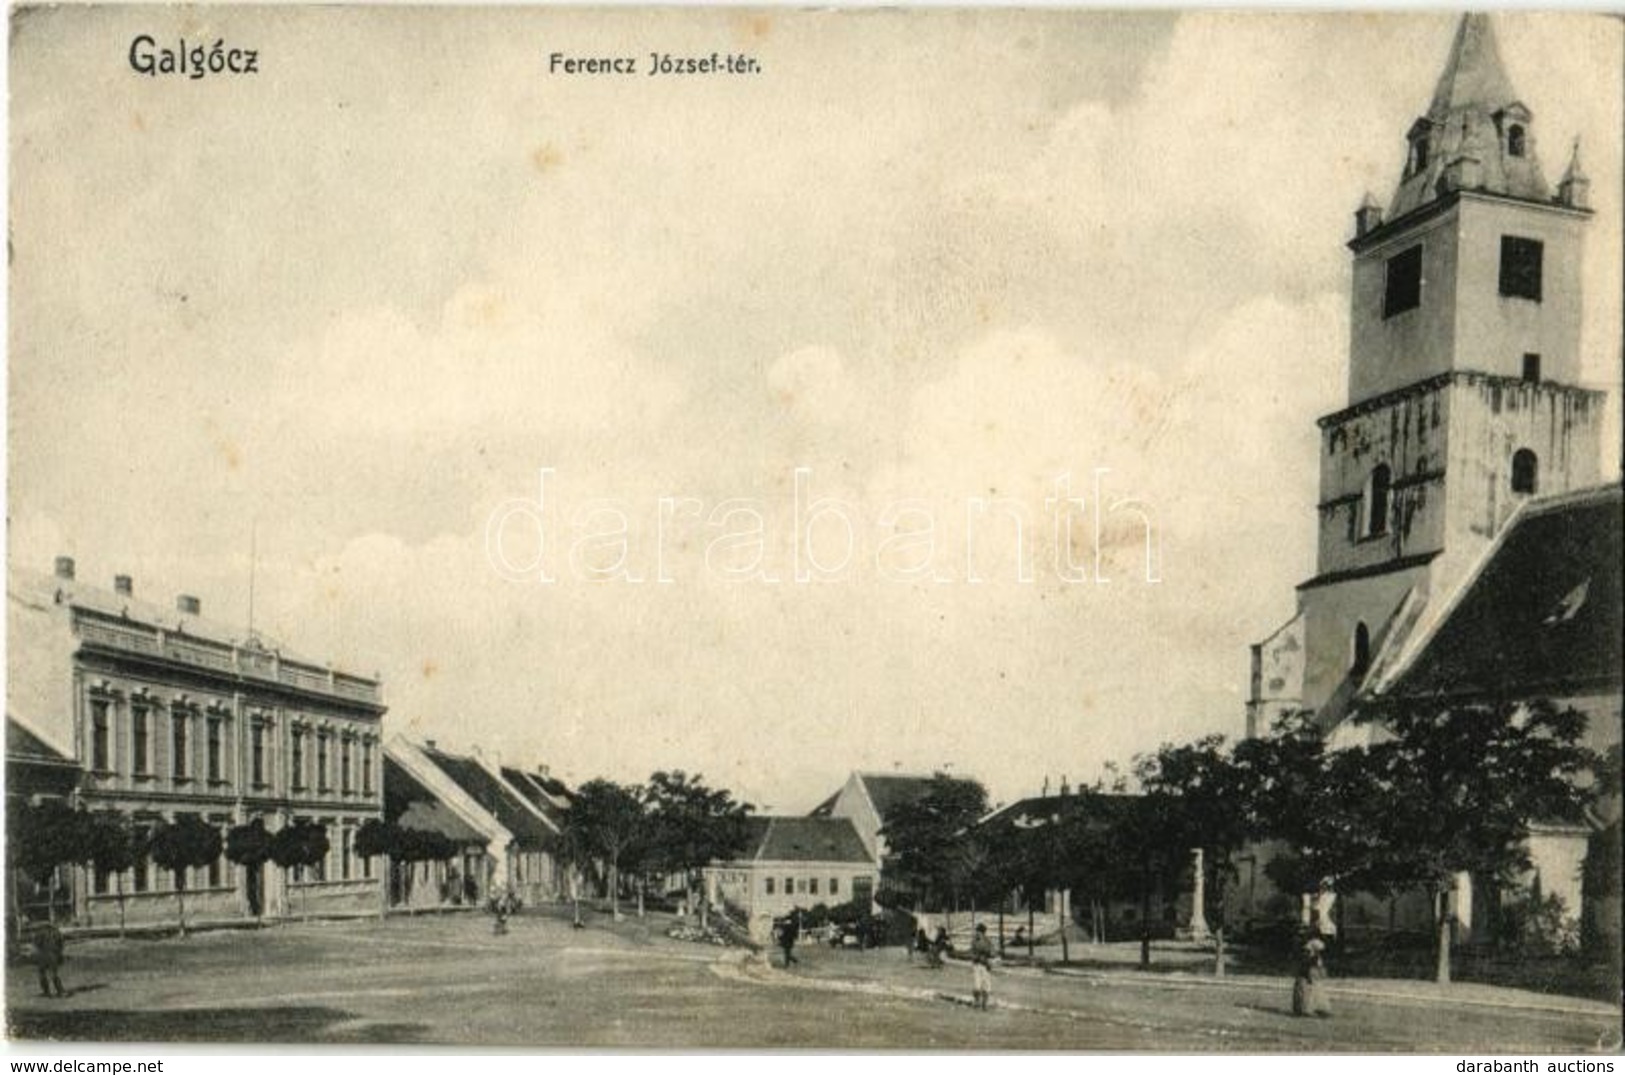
{"type": "Point", "coordinates": [1464, 422]}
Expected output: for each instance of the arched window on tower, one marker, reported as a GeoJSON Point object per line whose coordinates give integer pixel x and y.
{"type": "Point", "coordinates": [1525, 472]}
{"type": "Point", "coordinates": [1515, 140]}
{"type": "Point", "coordinates": [1378, 492]}
{"type": "Point", "coordinates": [1361, 661]}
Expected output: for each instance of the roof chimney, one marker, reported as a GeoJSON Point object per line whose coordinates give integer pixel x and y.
{"type": "Point", "coordinates": [124, 584]}
{"type": "Point", "coordinates": [64, 567]}
{"type": "Point", "coordinates": [189, 605]}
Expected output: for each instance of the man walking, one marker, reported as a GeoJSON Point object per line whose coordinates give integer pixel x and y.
{"type": "Point", "coordinates": [48, 958]}
{"type": "Point", "coordinates": [981, 964]}
{"type": "Point", "coordinates": [787, 937]}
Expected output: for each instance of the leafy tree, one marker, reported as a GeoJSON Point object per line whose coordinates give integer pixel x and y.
{"type": "Point", "coordinates": [1458, 786]}
{"type": "Point", "coordinates": [1084, 845]}
{"type": "Point", "coordinates": [40, 838]}
{"type": "Point", "coordinates": [570, 848]}
{"type": "Point", "coordinates": [692, 825]}
{"type": "Point", "coordinates": [1209, 811]}
{"type": "Point", "coordinates": [923, 837]}
{"type": "Point", "coordinates": [249, 846]}
{"type": "Point", "coordinates": [112, 847]}
{"type": "Point", "coordinates": [403, 844]}
{"type": "Point", "coordinates": [300, 845]}
{"type": "Point", "coordinates": [609, 822]}
{"type": "Point", "coordinates": [1090, 860]}
{"type": "Point", "coordinates": [1317, 804]}
{"type": "Point", "coordinates": [374, 837]}
{"type": "Point", "coordinates": [181, 845]}
{"type": "Point", "coordinates": [1147, 840]}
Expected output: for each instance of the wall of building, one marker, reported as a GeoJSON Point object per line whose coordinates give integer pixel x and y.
{"type": "Point", "coordinates": [1490, 420]}
{"type": "Point", "coordinates": [853, 803]}
{"type": "Point", "coordinates": [1463, 321]}
{"type": "Point", "coordinates": [1331, 614]}
{"type": "Point", "coordinates": [39, 674]}
{"type": "Point", "coordinates": [1493, 332]}
{"type": "Point", "coordinates": [1276, 686]}
{"type": "Point", "coordinates": [428, 886]}
{"type": "Point", "coordinates": [745, 885]}
{"type": "Point", "coordinates": [1389, 353]}
{"type": "Point", "coordinates": [1408, 434]}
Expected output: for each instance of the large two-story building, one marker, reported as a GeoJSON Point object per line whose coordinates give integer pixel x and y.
{"type": "Point", "coordinates": [164, 712]}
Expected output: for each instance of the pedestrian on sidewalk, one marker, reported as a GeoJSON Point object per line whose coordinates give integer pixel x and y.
{"type": "Point", "coordinates": [48, 945]}
{"type": "Point", "coordinates": [1309, 987]}
{"type": "Point", "coordinates": [981, 968]}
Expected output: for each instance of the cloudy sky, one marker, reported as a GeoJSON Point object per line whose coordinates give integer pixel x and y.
{"type": "Point", "coordinates": [356, 304]}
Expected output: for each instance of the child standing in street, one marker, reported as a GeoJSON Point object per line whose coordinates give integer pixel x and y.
{"type": "Point", "coordinates": [981, 968]}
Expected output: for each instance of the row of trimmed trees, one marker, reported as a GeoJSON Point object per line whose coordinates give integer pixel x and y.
{"type": "Point", "coordinates": [673, 826]}
{"type": "Point", "coordinates": [41, 838]}
{"type": "Point", "coordinates": [1438, 792]}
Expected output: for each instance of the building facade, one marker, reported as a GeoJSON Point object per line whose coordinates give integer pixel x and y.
{"type": "Point", "coordinates": [796, 862]}
{"type": "Point", "coordinates": [517, 834]}
{"type": "Point", "coordinates": [166, 713]}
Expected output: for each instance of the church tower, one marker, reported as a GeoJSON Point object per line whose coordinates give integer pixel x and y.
{"type": "Point", "coordinates": [1463, 399]}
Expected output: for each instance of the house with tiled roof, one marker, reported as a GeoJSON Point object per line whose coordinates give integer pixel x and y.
{"type": "Point", "coordinates": [546, 793]}
{"type": "Point", "coordinates": [792, 862]}
{"type": "Point", "coordinates": [411, 804]}
{"type": "Point", "coordinates": [518, 834]}
{"type": "Point", "coordinates": [35, 769]}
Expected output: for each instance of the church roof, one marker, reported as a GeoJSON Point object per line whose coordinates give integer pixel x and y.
{"type": "Point", "coordinates": [1542, 614]}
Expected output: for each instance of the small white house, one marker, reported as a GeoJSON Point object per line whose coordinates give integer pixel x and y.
{"type": "Point", "coordinates": [795, 862]}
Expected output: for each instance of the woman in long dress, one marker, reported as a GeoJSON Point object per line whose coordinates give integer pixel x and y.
{"type": "Point", "coordinates": [1309, 987]}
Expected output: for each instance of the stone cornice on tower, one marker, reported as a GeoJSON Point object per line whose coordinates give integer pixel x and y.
{"type": "Point", "coordinates": [1440, 380]}
{"type": "Point", "coordinates": [1442, 204]}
